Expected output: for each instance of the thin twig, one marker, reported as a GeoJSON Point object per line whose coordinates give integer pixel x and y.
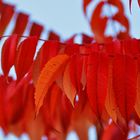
{"type": "Point", "coordinates": [134, 138]}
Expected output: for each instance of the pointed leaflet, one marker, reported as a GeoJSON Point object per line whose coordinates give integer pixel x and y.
{"type": "Point", "coordinates": [30, 125]}
{"type": "Point", "coordinates": [3, 87]}
{"type": "Point", "coordinates": [71, 39]}
{"type": "Point", "coordinates": [47, 51]}
{"type": "Point", "coordinates": [102, 81]}
{"type": "Point", "coordinates": [131, 76]}
{"type": "Point", "coordinates": [76, 71]}
{"type": "Point", "coordinates": [137, 104]}
{"type": "Point", "coordinates": [68, 87]}
{"type": "Point", "coordinates": [97, 72]}
{"type": "Point", "coordinates": [13, 105]}
{"type": "Point", "coordinates": [21, 23]}
{"type": "Point", "coordinates": [8, 53]}
{"type": "Point", "coordinates": [110, 101]}
{"type": "Point", "coordinates": [50, 108]}
{"type": "Point", "coordinates": [125, 84]}
{"type": "Point", "coordinates": [55, 92]}
{"type": "Point", "coordinates": [53, 36]}
{"type": "Point", "coordinates": [120, 18]}
{"type": "Point", "coordinates": [98, 23]}
{"type": "Point", "coordinates": [48, 75]}
{"type": "Point", "coordinates": [6, 14]}
{"type": "Point", "coordinates": [20, 84]}
{"type": "Point", "coordinates": [25, 55]}
{"type": "Point", "coordinates": [87, 39]}
{"type": "Point", "coordinates": [92, 67]}
{"type": "Point", "coordinates": [36, 30]}
{"type": "Point", "coordinates": [66, 110]}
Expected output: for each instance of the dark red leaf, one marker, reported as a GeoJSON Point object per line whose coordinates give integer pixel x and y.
{"type": "Point", "coordinates": [36, 29]}
{"type": "Point", "coordinates": [53, 36]}
{"type": "Point", "coordinates": [113, 132]}
{"type": "Point", "coordinates": [47, 51]}
{"type": "Point", "coordinates": [21, 23]}
{"type": "Point", "coordinates": [6, 12]}
{"type": "Point", "coordinates": [8, 53]}
{"type": "Point", "coordinates": [125, 84]}
{"type": "Point", "coordinates": [24, 57]}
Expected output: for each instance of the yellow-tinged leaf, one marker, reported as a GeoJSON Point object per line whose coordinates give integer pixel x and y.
{"type": "Point", "coordinates": [48, 75]}
{"type": "Point", "coordinates": [110, 99]}
{"type": "Point", "coordinates": [68, 87]}
{"type": "Point", "coordinates": [110, 103]}
{"type": "Point", "coordinates": [137, 104]}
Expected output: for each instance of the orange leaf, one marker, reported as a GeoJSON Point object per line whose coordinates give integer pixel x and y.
{"type": "Point", "coordinates": [48, 75]}
{"type": "Point", "coordinates": [110, 103]}
{"type": "Point", "coordinates": [68, 87]}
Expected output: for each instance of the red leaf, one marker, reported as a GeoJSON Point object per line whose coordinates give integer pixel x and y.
{"type": "Point", "coordinates": [76, 71]}
{"type": "Point", "coordinates": [125, 84]}
{"type": "Point", "coordinates": [102, 80]}
{"type": "Point", "coordinates": [3, 87]}
{"type": "Point", "coordinates": [36, 29]}
{"type": "Point", "coordinates": [6, 12]}
{"type": "Point", "coordinates": [53, 36]}
{"type": "Point", "coordinates": [47, 51]}
{"type": "Point", "coordinates": [87, 39]}
{"type": "Point", "coordinates": [8, 53]}
{"type": "Point", "coordinates": [113, 132]}
{"type": "Point", "coordinates": [92, 70]}
{"type": "Point", "coordinates": [25, 55]}
{"type": "Point", "coordinates": [137, 104]}
{"type": "Point", "coordinates": [97, 79]}
{"type": "Point", "coordinates": [21, 23]}
{"type": "Point", "coordinates": [122, 19]}
{"type": "Point", "coordinates": [13, 105]}
{"type": "Point", "coordinates": [110, 103]}
{"type": "Point", "coordinates": [71, 39]}
{"type": "Point", "coordinates": [98, 24]}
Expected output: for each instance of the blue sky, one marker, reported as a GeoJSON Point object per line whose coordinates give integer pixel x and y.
{"type": "Point", "coordinates": [66, 17]}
